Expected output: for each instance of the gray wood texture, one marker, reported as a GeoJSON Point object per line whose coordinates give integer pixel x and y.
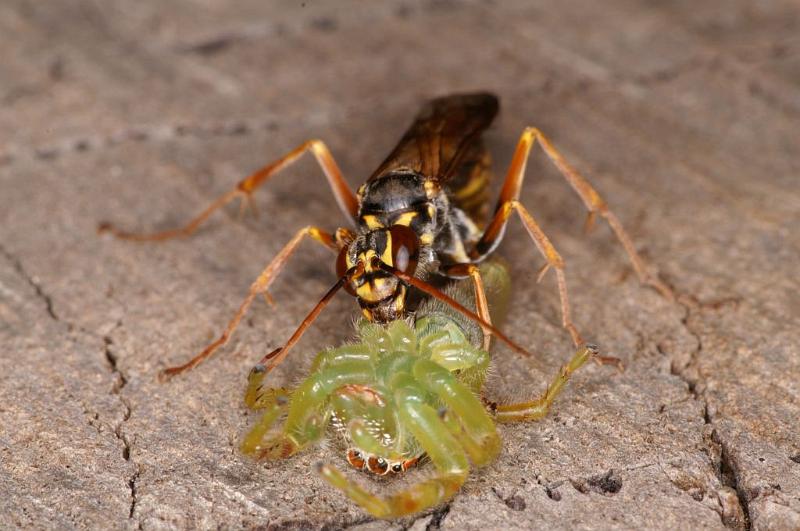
{"type": "Point", "coordinates": [685, 115]}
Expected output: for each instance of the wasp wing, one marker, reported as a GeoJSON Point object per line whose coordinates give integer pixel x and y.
{"type": "Point", "coordinates": [442, 136]}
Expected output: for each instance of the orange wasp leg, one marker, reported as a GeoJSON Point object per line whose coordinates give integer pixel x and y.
{"type": "Point", "coordinates": [261, 285]}
{"type": "Point", "coordinates": [481, 303]}
{"type": "Point", "coordinates": [554, 260]}
{"type": "Point", "coordinates": [244, 189]}
{"type": "Point", "coordinates": [595, 204]}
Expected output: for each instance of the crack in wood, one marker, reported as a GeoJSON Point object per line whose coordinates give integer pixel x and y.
{"type": "Point", "coordinates": [732, 517]}
{"type": "Point", "coordinates": [120, 379]}
{"type": "Point", "coordinates": [16, 263]}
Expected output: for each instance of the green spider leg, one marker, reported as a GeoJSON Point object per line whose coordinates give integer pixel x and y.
{"type": "Point", "coordinates": [442, 448]}
{"type": "Point", "coordinates": [538, 408]}
{"type": "Point", "coordinates": [447, 440]}
{"type": "Point", "coordinates": [478, 435]}
{"type": "Point", "coordinates": [257, 397]}
{"type": "Point", "coordinates": [253, 441]}
{"type": "Point", "coordinates": [308, 414]}
{"type": "Point", "coordinates": [368, 410]}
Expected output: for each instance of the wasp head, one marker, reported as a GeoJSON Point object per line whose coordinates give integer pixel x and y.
{"type": "Point", "coordinates": [381, 295]}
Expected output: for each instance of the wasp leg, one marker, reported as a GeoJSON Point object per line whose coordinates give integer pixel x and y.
{"type": "Point", "coordinates": [537, 409]}
{"type": "Point", "coordinates": [595, 204]}
{"type": "Point", "coordinates": [436, 440]}
{"type": "Point", "coordinates": [492, 237]}
{"type": "Point", "coordinates": [481, 303]}
{"type": "Point", "coordinates": [260, 285]}
{"type": "Point", "coordinates": [244, 189]}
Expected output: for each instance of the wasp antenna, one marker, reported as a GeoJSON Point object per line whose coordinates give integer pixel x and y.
{"type": "Point", "coordinates": [436, 293]}
{"type": "Point", "coordinates": [275, 357]}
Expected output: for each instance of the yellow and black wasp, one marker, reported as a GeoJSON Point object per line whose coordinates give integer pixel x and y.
{"type": "Point", "coordinates": [422, 213]}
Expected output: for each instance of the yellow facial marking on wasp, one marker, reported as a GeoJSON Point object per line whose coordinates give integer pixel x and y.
{"type": "Point", "coordinates": [366, 258]}
{"type": "Point", "coordinates": [379, 283]}
{"type": "Point", "coordinates": [400, 300]}
{"type": "Point", "coordinates": [371, 221]}
{"type": "Point", "coordinates": [364, 291]}
{"type": "Point", "coordinates": [431, 211]}
{"type": "Point", "coordinates": [406, 218]}
{"type": "Point", "coordinates": [386, 256]}
{"type": "Point", "coordinates": [430, 189]}
{"type": "Point", "coordinates": [372, 291]}
{"type": "Point", "coordinates": [426, 239]}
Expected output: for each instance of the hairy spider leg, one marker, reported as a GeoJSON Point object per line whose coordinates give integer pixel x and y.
{"type": "Point", "coordinates": [261, 285]}
{"type": "Point", "coordinates": [594, 203]}
{"type": "Point", "coordinates": [308, 415]}
{"type": "Point", "coordinates": [365, 440]}
{"type": "Point", "coordinates": [244, 189]}
{"type": "Point", "coordinates": [537, 409]}
{"type": "Point", "coordinates": [368, 404]}
{"type": "Point", "coordinates": [435, 439]}
{"type": "Point", "coordinates": [376, 441]}
{"type": "Point", "coordinates": [253, 441]}
{"type": "Point", "coordinates": [479, 436]}
{"type": "Point", "coordinates": [452, 354]}
{"type": "Point", "coordinates": [258, 397]}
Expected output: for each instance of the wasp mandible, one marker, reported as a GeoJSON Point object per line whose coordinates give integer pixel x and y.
{"type": "Point", "coordinates": [423, 212]}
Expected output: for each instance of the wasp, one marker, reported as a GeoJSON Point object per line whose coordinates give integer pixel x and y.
{"type": "Point", "coordinates": [421, 214]}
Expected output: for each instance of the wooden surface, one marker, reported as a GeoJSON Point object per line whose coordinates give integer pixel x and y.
{"type": "Point", "coordinates": [685, 115]}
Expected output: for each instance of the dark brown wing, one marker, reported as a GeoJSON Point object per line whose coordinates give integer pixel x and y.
{"type": "Point", "coordinates": [442, 134]}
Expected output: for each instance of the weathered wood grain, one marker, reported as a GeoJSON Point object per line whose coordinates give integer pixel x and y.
{"type": "Point", "coordinates": [685, 116]}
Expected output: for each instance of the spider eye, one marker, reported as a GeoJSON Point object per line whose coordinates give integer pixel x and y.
{"type": "Point", "coordinates": [341, 269]}
{"type": "Point", "coordinates": [405, 248]}
{"type": "Point", "coordinates": [355, 458]}
{"type": "Point", "coordinates": [397, 468]}
{"type": "Point", "coordinates": [377, 465]}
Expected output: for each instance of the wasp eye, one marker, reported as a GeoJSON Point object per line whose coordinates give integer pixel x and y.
{"type": "Point", "coordinates": [341, 269]}
{"type": "Point", "coordinates": [405, 248]}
